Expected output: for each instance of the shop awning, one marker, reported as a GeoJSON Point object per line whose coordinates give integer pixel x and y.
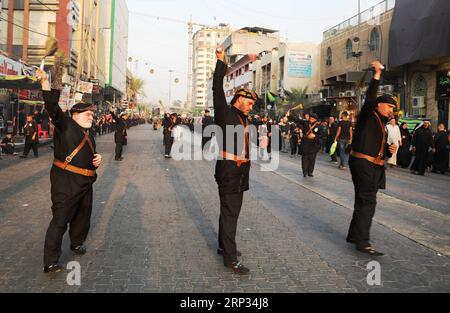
{"type": "Point", "coordinates": [19, 82]}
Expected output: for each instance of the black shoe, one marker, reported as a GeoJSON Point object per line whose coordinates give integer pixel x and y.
{"type": "Point", "coordinates": [220, 252]}
{"type": "Point", "coordinates": [119, 159]}
{"type": "Point", "coordinates": [79, 250]}
{"type": "Point", "coordinates": [370, 251]}
{"type": "Point", "coordinates": [53, 268]}
{"type": "Point", "coordinates": [304, 175]}
{"type": "Point", "coordinates": [23, 156]}
{"type": "Point", "coordinates": [310, 175]}
{"type": "Point", "coordinates": [239, 269]}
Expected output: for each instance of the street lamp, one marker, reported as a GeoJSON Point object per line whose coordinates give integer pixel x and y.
{"type": "Point", "coordinates": [170, 85]}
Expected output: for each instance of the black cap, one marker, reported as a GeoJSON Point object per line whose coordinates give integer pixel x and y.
{"type": "Point", "coordinates": [244, 92]}
{"type": "Point", "coordinates": [82, 107]}
{"type": "Point", "coordinates": [389, 99]}
{"type": "Point", "coordinates": [313, 115]}
{"type": "Point", "coordinates": [206, 111]}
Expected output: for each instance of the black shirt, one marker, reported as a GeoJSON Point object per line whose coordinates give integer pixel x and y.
{"type": "Point", "coordinates": [230, 177]}
{"type": "Point", "coordinates": [227, 115]}
{"type": "Point", "coordinates": [368, 133]}
{"type": "Point", "coordinates": [345, 130]}
{"type": "Point", "coordinates": [31, 130]}
{"type": "Point", "coordinates": [68, 134]}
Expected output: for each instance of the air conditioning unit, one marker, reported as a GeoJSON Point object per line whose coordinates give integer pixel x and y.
{"type": "Point", "coordinates": [342, 94]}
{"type": "Point", "coordinates": [418, 102]}
{"type": "Point", "coordinates": [349, 93]}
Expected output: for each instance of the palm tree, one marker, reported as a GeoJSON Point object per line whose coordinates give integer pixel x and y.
{"type": "Point", "coordinates": [296, 99]}
{"type": "Point", "coordinates": [135, 89]}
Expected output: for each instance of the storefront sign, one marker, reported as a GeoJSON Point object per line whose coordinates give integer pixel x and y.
{"type": "Point", "coordinates": [9, 67]}
{"type": "Point", "coordinates": [300, 64]}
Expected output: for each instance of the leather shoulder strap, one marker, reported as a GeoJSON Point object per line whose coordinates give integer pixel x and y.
{"type": "Point", "coordinates": [383, 130]}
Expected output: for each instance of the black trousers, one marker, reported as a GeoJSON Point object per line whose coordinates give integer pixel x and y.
{"type": "Point", "coordinates": [72, 204]}
{"type": "Point", "coordinates": [119, 149]}
{"type": "Point", "coordinates": [367, 179]}
{"type": "Point", "coordinates": [28, 147]}
{"type": "Point", "coordinates": [420, 162]}
{"type": "Point", "coordinates": [168, 142]}
{"type": "Point", "coordinates": [308, 163]}
{"type": "Point", "coordinates": [230, 207]}
{"type": "Point", "coordinates": [364, 210]}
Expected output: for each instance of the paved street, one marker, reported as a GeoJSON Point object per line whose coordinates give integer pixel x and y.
{"type": "Point", "coordinates": [154, 228]}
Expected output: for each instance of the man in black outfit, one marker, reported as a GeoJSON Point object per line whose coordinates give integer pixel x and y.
{"type": "Point", "coordinates": [422, 142]}
{"type": "Point", "coordinates": [233, 169]}
{"type": "Point", "coordinates": [71, 177]}
{"type": "Point", "coordinates": [343, 137]}
{"type": "Point", "coordinates": [31, 137]}
{"type": "Point", "coordinates": [120, 135]}
{"type": "Point", "coordinates": [310, 144]}
{"type": "Point", "coordinates": [206, 121]}
{"type": "Point", "coordinates": [332, 131]}
{"type": "Point", "coordinates": [369, 150]}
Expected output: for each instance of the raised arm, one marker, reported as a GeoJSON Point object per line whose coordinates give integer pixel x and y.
{"type": "Point", "coordinates": [220, 102]}
{"type": "Point", "coordinates": [371, 94]}
{"type": "Point", "coordinates": [51, 99]}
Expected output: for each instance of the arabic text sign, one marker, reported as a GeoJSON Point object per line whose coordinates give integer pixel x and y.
{"type": "Point", "coordinates": [9, 67]}
{"type": "Point", "coordinates": [300, 64]}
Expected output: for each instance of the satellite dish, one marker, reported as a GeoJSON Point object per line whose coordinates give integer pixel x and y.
{"type": "Point", "coordinates": [356, 39]}
{"type": "Point", "coordinates": [130, 59]}
{"type": "Point", "coordinates": [152, 71]}
{"type": "Point", "coordinates": [177, 80]}
{"type": "Point", "coordinates": [269, 107]}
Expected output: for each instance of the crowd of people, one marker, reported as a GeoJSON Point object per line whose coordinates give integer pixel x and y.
{"type": "Point", "coordinates": [38, 124]}
{"type": "Point", "coordinates": [419, 149]}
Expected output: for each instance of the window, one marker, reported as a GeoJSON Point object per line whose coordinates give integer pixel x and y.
{"type": "Point", "coordinates": [420, 86]}
{"type": "Point", "coordinates": [349, 49]}
{"type": "Point", "coordinates": [374, 40]}
{"type": "Point", "coordinates": [52, 29]}
{"type": "Point", "coordinates": [329, 59]}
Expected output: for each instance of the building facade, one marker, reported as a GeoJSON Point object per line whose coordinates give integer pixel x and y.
{"type": "Point", "coordinates": [347, 49]}
{"type": "Point", "coordinates": [205, 42]}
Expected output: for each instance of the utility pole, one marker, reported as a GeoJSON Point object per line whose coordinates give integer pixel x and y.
{"type": "Point", "coordinates": [358, 59]}
{"type": "Point", "coordinates": [190, 54]}
{"type": "Point", "coordinates": [170, 86]}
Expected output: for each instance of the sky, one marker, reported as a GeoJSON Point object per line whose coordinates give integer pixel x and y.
{"type": "Point", "coordinates": [161, 45]}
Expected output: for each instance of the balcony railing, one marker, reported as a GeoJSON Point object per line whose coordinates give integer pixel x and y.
{"type": "Point", "coordinates": [364, 16]}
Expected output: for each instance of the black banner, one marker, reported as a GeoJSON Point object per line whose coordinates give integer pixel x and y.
{"type": "Point", "coordinates": [420, 30]}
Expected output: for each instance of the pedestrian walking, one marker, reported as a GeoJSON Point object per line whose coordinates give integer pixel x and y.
{"type": "Point", "coordinates": [310, 145]}
{"type": "Point", "coordinates": [343, 138]}
{"type": "Point", "coordinates": [31, 137]}
{"type": "Point", "coordinates": [441, 145]}
{"type": "Point", "coordinates": [332, 131]}
{"type": "Point", "coordinates": [422, 144]}
{"type": "Point", "coordinates": [207, 120]}
{"type": "Point", "coordinates": [120, 134]}
{"type": "Point", "coordinates": [394, 137]}
{"type": "Point", "coordinates": [404, 152]}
